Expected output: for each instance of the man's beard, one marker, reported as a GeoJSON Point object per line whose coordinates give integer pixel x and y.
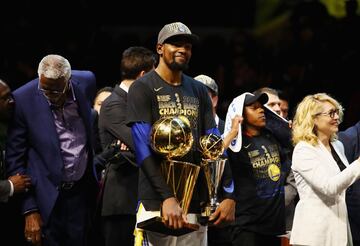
{"type": "Point", "coordinates": [178, 66]}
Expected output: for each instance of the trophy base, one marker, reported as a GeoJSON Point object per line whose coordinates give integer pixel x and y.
{"type": "Point", "coordinates": [207, 211]}
{"type": "Point", "coordinates": [205, 221]}
{"type": "Point", "coordinates": [157, 225]}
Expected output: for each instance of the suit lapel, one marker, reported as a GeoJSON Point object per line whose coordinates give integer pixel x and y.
{"type": "Point", "coordinates": [329, 158]}
{"type": "Point", "coordinates": [341, 156]}
{"type": "Point", "coordinates": [84, 111]}
{"type": "Point", "coordinates": [46, 119]}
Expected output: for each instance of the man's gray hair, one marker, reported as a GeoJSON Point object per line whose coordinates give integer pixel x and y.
{"type": "Point", "coordinates": [54, 67]}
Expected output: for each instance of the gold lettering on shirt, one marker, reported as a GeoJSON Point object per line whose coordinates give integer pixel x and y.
{"type": "Point", "coordinates": [171, 105]}
{"type": "Point", "coordinates": [266, 162]}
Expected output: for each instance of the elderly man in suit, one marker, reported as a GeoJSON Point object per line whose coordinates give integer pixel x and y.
{"type": "Point", "coordinates": [50, 140]}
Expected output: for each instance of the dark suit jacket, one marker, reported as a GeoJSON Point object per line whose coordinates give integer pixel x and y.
{"type": "Point", "coordinates": [120, 190]}
{"type": "Point", "coordinates": [221, 126]}
{"type": "Point", "coordinates": [4, 190]}
{"type": "Point", "coordinates": [4, 184]}
{"type": "Point", "coordinates": [33, 145]}
{"type": "Point", "coordinates": [351, 140]}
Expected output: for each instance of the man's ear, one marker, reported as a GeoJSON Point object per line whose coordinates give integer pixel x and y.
{"type": "Point", "coordinates": [159, 49]}
{"type": "Point", "coordinates": [141, 74]}
{"type": "Point", "coordinates": [214, 100]}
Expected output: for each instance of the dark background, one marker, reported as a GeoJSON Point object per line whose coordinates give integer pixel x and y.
{"type": "Point", "coordinates": [297, 46]}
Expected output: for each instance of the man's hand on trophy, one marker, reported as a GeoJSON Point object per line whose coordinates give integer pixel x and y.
{"type": "Point", "coordinates": [224, 214]}
{"type": "Point", "coordinates": [172, 214]}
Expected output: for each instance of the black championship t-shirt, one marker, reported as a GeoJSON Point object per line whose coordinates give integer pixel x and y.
{"type": "Point", "coordinates": [259, 185]}
{"type": "Point", "coordinates": [151, 98]}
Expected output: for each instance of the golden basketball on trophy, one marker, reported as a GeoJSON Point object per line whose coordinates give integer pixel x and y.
{"type": "Point", "coordinates": [212, 147]}
{"type": "Point", "coordinates": [172, 137]}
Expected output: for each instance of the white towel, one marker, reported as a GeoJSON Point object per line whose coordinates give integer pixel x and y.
{"type": "Point", "coordinates": [235, 108]}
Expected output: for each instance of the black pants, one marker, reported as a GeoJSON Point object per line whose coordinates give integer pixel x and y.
{"type": "Point", "coordinates": [219, 236]}
{"type": "Point", "coordinates": [70, 219]}
{"type": "Point", "coordinates": [12, 220]}
{"type": "Point", "coordinates": [247, 238]}
{"type": "Point", "coordinates": [119, 229]}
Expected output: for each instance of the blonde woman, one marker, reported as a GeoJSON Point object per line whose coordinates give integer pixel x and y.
{"type": "Point", "coordinates": [322, 174]}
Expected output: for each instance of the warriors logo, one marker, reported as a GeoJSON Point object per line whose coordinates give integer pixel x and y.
{"type": "Point", "coordinates": [274, 172]}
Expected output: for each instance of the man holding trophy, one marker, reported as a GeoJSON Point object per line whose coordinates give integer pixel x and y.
{"type": "Point", "coordinates": [183, 103]}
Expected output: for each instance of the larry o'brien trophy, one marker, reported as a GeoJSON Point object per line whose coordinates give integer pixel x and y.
{"type": "Point", "coordinates": [172, 137]}
{"type": "Point", "coordinates": [212, 147]}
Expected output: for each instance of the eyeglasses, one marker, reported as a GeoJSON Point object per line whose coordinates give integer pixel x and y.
{"type": "Point", "coordinates": [331, 113]}
{"type": "Point", "coordinates": [52, 93]}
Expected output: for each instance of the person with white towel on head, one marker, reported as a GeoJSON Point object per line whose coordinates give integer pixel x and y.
{"type": "Point", "coordinates": [256, 162]}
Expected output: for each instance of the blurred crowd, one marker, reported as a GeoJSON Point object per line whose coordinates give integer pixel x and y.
{"type": "Point", "coordinates": [306, 50]}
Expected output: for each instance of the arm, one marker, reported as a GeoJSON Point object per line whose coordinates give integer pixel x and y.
{"type": "Point", "coordinates": [233, 131]}
{"type": "Point", "coordinates": [138, 118]}
{"type": "Point", "coordinates": [4, 190]}
{"type": "Point", "coordinates": [290, 188]}
{"type": "Point", "coordinates": [16, 157]}
{"type": "Point", "coordinates": [113, 130]}
{"type": "Point", "coordinates": [308, 165]}
{"type": "Point", "coordinates": [225, 212]}
{"type": "Point", "coordinates": [145, 160]}
{"type": "Point", "coordinates": [96, 137]}
{"type": "Point", "coordinates": [16, 153]}
{"type": "Point", "coordinates": [171, 210]}
{"type": "Point", "coordinates": [113, 119]}
{"type": "Point", "coordinates": [33, 225]}
{"type": "Point", "coordinates": [289, 185]}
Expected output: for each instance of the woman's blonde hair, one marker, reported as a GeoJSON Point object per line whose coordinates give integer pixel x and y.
{"type": "Point", "coordinates": [303, 128]}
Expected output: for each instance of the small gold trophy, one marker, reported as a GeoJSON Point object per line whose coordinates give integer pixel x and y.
{"type": "Point", "coordinates": [212, 147]}
{"type": "Point", "coordinates": [172, 137]}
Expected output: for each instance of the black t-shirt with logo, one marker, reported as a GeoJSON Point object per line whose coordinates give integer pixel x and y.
{"type": "Point", "coordinates": [259, 185]}
{"type": "Point", "coordinates": [151, 98]}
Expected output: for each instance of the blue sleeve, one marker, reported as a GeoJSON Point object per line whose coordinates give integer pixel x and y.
{"type": "Point", "coordinates": [213, 130]}
{"type": "Point", "coordinates": [227, 182]}
{"type": "Point", "coordinates": [141, 134]}
{"type": "Point", "coordinates": [146, 161]}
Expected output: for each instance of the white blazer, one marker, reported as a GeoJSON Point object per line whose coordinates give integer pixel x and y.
{"type": "Point", "coordinates": [321, 216]}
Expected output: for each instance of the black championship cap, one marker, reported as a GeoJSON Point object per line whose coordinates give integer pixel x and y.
{"type": "Point", "coordinates": [250, 99]}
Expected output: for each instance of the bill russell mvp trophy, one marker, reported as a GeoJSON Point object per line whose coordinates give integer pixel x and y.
{"type": "Point", "coordinates": [212, 147]}
{"type": "Point", "coordinates": [172, 137]}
